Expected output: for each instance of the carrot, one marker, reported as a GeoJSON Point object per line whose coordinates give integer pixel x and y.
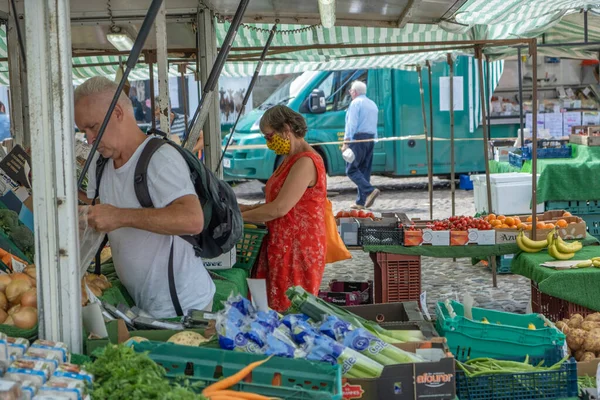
{"type": "Point", "coordinates": [241, 395]}
{"type": "Point", "coordinates": [233, 379]}
{"type": "Point", "coordinates": [228, 397]}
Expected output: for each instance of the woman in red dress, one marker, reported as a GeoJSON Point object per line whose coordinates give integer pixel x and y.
{"type": "Point", "coordinates": [294, 211]}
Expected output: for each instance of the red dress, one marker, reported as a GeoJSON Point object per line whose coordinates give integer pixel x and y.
{"type": "Point", "coordinates": [294, 254]}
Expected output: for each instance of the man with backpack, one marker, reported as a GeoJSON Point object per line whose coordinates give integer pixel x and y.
{"type": "Point", "coordinates": [149, 207]}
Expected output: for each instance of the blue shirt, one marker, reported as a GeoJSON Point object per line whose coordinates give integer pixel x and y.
{"type": "Point", "coordinates": [361, 117]}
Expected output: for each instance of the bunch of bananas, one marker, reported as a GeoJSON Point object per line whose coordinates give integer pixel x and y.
{"type": "Point", "coordinates": [557, 248]}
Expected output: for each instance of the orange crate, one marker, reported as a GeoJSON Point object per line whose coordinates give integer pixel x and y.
{"type": "Point", "coordinates": [553, 308]}
{"type": "Point", "coordinates": [397, 277]}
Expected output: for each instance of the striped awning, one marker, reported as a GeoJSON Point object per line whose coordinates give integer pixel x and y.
{"type": "Point", "coordinates": [303, 48]}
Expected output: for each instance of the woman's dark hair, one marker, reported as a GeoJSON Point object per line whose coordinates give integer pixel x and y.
{"type": "Point", "coordinates": [277, 117]}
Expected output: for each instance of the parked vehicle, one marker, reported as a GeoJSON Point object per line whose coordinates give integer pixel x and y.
{"type": "Point", "coordinates": [396, 93]}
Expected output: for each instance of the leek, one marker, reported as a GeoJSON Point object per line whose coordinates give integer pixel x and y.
{"type": "Point", "coordinates": [318, 309]}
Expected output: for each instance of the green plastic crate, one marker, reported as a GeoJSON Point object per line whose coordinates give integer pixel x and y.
{"type": "Point", "coordinates": [505, 336]}
{"type": "Point", "coordinates": [575, 207]}
{"type": "Point", "coordinates": [298, 379]}
{"type": "Point", "coordinates": [503, 264]}
{"type": "Point", "coordinates": [248, 247]}
{"type": "Point", "coordinates": [592, 222]}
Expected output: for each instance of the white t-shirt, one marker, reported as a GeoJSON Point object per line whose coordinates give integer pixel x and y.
{"type": "Point", "coordinates": [141, 258]}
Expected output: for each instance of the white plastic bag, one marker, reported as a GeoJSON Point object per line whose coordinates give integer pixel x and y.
{"type": "Point", "coordinates": [89, 242]}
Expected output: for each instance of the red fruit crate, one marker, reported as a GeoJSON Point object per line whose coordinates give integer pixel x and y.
{"type": "Point", "coordinates": [553, 308]}
{"type": "Point", "coordinates": [397, 277]}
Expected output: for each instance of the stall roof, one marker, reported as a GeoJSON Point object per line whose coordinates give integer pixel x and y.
{"type": "Point", "coordinates": [300, 47]}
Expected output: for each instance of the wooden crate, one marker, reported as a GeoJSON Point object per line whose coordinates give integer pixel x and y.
{"type": "Point", "coordinates": [585, 135]}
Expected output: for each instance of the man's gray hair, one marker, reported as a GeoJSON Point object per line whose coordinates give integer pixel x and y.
{"type": "Point", "coordinates": [100, 85]}
{"type": "Point", "coordinates": [359, 87]}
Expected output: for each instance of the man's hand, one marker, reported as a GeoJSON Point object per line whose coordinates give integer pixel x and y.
{"type": "Point", "coordinates": [344, 147]}
{"type": "Point", "coordinates": [104, 218]}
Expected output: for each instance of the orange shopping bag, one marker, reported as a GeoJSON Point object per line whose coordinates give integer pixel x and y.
{"type": "Point", "coordinates": [336, 249]}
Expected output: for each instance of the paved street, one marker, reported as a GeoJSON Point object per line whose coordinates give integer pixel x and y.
{"type": "Point", "coordinates": [441, 278]}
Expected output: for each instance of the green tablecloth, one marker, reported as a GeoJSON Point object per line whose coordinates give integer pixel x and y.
{"type": "Point", "coordinates": [497, 167]}
{"type": "Point", "coordinates": [563, 178]}
{"type": "Point", "coordinates": [579, 286]}
{"type": "Point", "coordinates": [226, 282]}
{"type": "Point", "coordinates": [457, 251]}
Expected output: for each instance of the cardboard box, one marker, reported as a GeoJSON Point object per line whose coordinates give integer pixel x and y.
{"type": "Point", "coordinates": [501, 153]}
{"type": "Point", "coordinates": [364, 288]}
{"type": "Point", "coordinates": [433, 379]}
{"type": "Point", "coordinates": [224, 261]}
{"type": "Point", "coordinates": [413, 238]}
{"type": "Point", "coordinates": [396, 316]}
{"type": "Point", "coordinates": [341, 298]}
{"type": "Point", "coordinates": [482, 238]}
{"type": "Point", "coordinates": [436, 238]}
{"type": "Point", "coordinates": [459, 238]}
{"type": "Point", "coordinates": [588, 368]}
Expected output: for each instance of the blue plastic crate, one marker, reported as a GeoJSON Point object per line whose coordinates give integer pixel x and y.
{"type": "Point", "coordinates": [515, 160]}
{"type": "Point", "coordinates": [550, 152]}
{"type": "Point", "coordinates": [559, 384]}
{"type": "Point", "coordinates": [575, 207]}
{"type": "Point", "coordinates": [465, 182]}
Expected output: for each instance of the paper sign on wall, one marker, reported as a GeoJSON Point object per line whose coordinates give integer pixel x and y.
{"type": "Point", "coordinates": [571, 119]}
{"type": "Point", "coordinates": [458, 89]}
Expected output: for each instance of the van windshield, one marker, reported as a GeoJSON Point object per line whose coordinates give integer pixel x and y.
{"type": "Point", "coordinates": [288, 90]}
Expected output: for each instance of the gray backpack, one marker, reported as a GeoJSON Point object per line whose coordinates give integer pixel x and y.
{"type": "Point", "coordinates": [223, 224]}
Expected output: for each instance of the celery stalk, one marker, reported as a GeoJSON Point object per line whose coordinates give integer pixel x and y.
{"type": "Point", "coordinates": [317, 309]}
{"type": "Point", "coordinates": [376, 349]}
{"type": "Point", "coordinates": [358, 365]}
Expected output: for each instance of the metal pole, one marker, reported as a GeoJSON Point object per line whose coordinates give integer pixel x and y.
{"type": "Point", "coordinates": [19, 37]}
{"type": "Point", "coordinates": [207, 54]}
{"type": "Point", "coordinates": [585, 26]}
{"type": "Point", "coordinates": [208, 90]}
{"type": "Point", "coordinates": [182, 69]}
{"type": "Point", "coordinates": [534, 73]}
{"type": "Point", "coordinates": [131, 61]}
{"type": "Point", "coordinates": [152, 99]}
{"type": "Point", "coordinates": [484, 102]}
{"type": "Point", "coordinates": [164, 105]}
{"type": "Point", "coordinates": [489, 91]}
{"type": "Point", "coordinates": [250, 88]}
{"type": "Point", "coordinates": [50, 95]}
{"type": "Point", "coordinates": [519, 67]}
{"type": "Point", "coordinates": [424, 114]}
{"type": "Point", "coordinates": [431, 141]}
{"type": "Point", "coordinates": [452, 173]}
{"type": "Point", "coordinates": [17, 78]}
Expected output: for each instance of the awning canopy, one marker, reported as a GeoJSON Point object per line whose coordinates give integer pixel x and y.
{"type": "Point", "coordinates": [298, 48]}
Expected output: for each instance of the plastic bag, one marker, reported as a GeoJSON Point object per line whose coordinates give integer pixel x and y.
{"type": "Point", "coordinates": [89, 240]}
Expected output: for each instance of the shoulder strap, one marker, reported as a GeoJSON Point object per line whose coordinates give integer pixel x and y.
{"type": "Point", "coordinates": [140, 181]}
{"type": "Point", "coordinates": [100, 164]}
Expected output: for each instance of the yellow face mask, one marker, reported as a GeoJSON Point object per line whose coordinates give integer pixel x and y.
{"type": "Point", "coordinates": [279, 145]}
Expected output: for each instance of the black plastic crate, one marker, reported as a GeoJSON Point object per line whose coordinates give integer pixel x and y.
{"type": "Point", "coordinates": [380, 236]}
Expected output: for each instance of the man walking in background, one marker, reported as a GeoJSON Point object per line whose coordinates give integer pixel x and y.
{"type": "Point", "coordinates": [361, 124]}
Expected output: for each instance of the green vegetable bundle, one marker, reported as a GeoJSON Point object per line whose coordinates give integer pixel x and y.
{"type": "Point", "coordinates": [487, 366]}
{"type": "Point", "coordinates": [317, 309]}
{"type": "Point", "coordinates": [121, 373]}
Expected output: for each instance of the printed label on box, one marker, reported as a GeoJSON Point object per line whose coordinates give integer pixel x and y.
{"type": "Point", "coordinates": [352, 391]}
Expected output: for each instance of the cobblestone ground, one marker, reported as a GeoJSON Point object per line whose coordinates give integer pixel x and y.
{"type": "Point", "coordinates": [441, 278]}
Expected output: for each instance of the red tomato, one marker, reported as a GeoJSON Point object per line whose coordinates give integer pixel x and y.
{"type": "Point", "coordinates": [354, 213]}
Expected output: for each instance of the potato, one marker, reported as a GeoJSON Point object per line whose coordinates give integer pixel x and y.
{"type": "Point", "coordinates": [590, 325]}
{"type": "Point", "coordinates": [575, 321]}
{"type": "Point", "coordinates": [587, 356]}
{"type": "Point", "coordinates": [187, 338]}
{"type": "Point", "coordinates": [593, 317]}
{"type": "Point", "coordinates": [592, 342]}
{"type": "Point", "coordinates": [579, 354]}
{"type": "Point", "coordinates": [575, 338]}
{"type": "Point", "coordinates": [562, 326]}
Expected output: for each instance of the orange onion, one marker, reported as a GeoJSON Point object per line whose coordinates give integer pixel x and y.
{"type": "Point", "coordinates": [4, 281]}
{"type": "Point", "coordinates": [29, 298]}
{"type": "Point", "coordinates": [15, 290]}
{"type": "Point", "coordinates": [25, 318]}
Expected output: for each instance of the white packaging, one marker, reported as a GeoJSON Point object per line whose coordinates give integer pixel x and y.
{"type": "Point", "coordinates": [64, 388]}
{"type": "Point", "coordinates": [58, 348]}
{"type": "Point", "coordinates": [224, 261]}
{"type": "Point", "coordinates": [37, 371]}
{"type": "Point", "coordinates": [17, 347]}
